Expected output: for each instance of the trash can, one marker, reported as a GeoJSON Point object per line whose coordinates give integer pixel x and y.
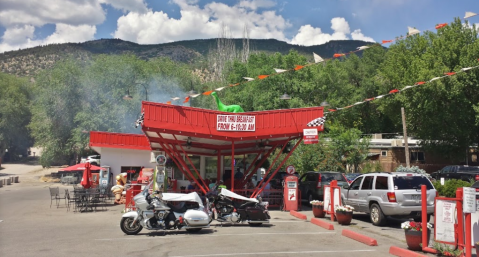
{"type": "Point", "coordinates": [16, 179]}
{"type": "Point", "coordinates": [9, 181]}
{"type": "Point", "coordinates": [1, 182]}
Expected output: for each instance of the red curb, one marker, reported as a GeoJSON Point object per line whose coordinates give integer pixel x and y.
{"type": "Point", "coordinates": [397, 251]}
{"type": "Point", "coordinates": [298, 215]}
{"type": "Point", "coordinates": [322, 223]}
{"type": "Point", "coordinates": [358, 237]}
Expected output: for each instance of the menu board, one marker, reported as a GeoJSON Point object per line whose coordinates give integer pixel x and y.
{"type": "Point", "coordinates": [327, 198]}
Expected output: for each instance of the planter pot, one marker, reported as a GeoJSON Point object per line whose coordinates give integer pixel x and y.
{"type": "Point", "coordinates": [414, 239]}
{"type": "Point", "coordinates": [477, 250]}
{"type": "Point", "coordinates": [318, 211]}
{"type": "Point", "coordinates": [344, 217]}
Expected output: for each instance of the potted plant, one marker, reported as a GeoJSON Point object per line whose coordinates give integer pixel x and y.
{"type": "Point", "coordinates": [413, 233]}
{"type": "Point", "coordinates": [344, 214]}
{"type": "Point", "coordinates": [318, 210]}
{"type": "Point", "coordinates": [477, 248]}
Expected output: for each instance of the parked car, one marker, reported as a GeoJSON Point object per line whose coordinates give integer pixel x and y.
{"type": "Point", "coordinates": [350, 177]}
{"type": "Point", "coordinates": [462, 172]}
{"type": "Point", "coordinates": [383, 194]}
{"type": "Point", "coordinates": [92, 159]}
{"type": "Point", "coordinates": [476, 186]}
{"type": "Point", "coordinates": [311, 184]}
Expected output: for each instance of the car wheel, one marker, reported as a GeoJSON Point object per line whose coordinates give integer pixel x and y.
{"type": "Point", "coordinates": [419, 219]}
{"type": "Point", "coordinates": [376, 215]}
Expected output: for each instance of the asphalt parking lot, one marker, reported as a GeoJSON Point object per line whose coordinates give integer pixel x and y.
{"type": "Point", "coordinates": [29, 227]}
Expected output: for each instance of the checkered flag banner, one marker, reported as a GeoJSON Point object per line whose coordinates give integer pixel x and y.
{"type": "Point", "coordinates": [317, 122]}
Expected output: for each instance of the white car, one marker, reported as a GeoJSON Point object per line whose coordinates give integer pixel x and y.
{"type": "Point", "coordinates": [92, 159]}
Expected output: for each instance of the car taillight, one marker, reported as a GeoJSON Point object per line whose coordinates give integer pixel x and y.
{"type": "Point", "coordinates": [391, 197]}
{"type": "Point", "coordinates": [477, 177]}
{"type": "Point", "coordinates": [319, 182]}
{"type": "Point", "coordinates": [437, 194]}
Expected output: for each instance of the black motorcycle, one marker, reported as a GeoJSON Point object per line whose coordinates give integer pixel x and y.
{"type": "Point", "coordinates": [233, 208]}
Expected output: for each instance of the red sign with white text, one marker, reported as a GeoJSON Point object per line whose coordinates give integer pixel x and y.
{"type": "Point", "coordinates": [310, 136]}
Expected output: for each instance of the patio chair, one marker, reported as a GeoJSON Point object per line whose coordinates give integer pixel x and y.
{"type": "Point", "coordinates": [54, 194]}
{"type": "Point", "coordinates": [59, 198]}
{"type": "Point", "coordinates": [72, 199]}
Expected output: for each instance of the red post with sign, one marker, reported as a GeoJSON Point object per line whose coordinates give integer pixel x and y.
{"type": "Point", "coordinates": [290, 194]}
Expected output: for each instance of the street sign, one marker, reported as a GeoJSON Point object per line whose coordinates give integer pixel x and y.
{"type": "Point", "coordinates": [290, 170]}
{"type": "Point", "coordinates": [310, 136]}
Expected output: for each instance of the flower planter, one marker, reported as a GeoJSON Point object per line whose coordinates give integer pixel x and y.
{"type": "Point", "coordinates": [344, 217]}
{"type": "Point", "coordinates": [477, 249]}
{"type": "Point", "coordinates": [414, 239]}
{"type": "Point", "coordinates": [318, 211]}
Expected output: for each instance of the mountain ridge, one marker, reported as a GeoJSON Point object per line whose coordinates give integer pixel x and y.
{"type": "Point", "coordinates": [29, 61]}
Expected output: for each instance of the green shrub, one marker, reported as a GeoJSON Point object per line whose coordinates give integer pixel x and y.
{"type": "Point", "coordinates": [450, 186]}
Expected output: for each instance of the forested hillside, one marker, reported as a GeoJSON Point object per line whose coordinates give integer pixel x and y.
{"type": "Point", "coordinates": [77, 95]}
{"type": "Point", "coordinates": [28, 62]}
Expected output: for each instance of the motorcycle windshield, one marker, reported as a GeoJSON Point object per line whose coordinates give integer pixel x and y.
{"type": "Point", "coordinates": [228, 193]}
{"type": "Point", "coordinates": [178, 197]}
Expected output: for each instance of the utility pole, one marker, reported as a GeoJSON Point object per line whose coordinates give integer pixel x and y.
{"type": "Point", "coordinates": [406, 147]}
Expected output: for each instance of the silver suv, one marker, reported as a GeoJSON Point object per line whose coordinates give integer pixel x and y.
{"type": "Point", "coordinates": [389, 194]}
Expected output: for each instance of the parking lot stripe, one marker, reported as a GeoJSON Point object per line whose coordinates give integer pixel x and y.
{"type": "Point", "coordinates": [272, 253]}
{"type": "Point", "coordinates": [221, 235]}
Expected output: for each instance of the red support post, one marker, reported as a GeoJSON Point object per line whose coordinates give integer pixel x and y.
{"type": "Point", "coordinates": [460, 222]}
{"type": "Point", "coordinates": [282, 163]}
{"type": "Point", "coordinates": [425, 246]}
{"type": "Point", "coordinates": [332, 185]}
{"type": "Point", "coordinates": [218, 167]}
{"type": "Point", "coordinates": [232, 166]}
{"type": "Point", "coordinates": [191, 163]}
{"type": "Point", "coordinates": [468, 235]}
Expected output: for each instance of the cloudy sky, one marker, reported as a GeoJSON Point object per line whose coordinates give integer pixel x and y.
{"type": "Point", "coordinates": [28, 23]}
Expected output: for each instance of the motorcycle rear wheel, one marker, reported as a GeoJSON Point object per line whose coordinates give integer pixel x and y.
{"type": "Point", "coordinates": [193, 230]}
{"type": "Point", "coordinates": [127, 228]}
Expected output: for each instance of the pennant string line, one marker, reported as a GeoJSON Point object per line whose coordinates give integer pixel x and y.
{"type": "Point", "coordinates": [318, 59]}
{"type": "Point", "coordinates": [320, 121]}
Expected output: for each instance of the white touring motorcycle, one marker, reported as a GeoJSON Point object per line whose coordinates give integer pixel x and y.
{"type": "Point", "coordinates": [165, 212]}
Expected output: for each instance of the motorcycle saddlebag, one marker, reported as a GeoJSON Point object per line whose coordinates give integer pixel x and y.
{"type": "Point", "coordinates": [196, 218]}
{"type": "Point", "coordinates": [255, 213]}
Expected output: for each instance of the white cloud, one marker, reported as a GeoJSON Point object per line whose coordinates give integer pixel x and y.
{"type": "Point", "coordinates": [357, 35]}
{"type": "Point", "coordinates": [41, 12]}
{"type": "Point", "coordinates": [196, 22]}
{"type": "Point", "coordinates": [138, 6]}
{"type": "Point", "coordinates": [23, 37]}
{"type": "Point", "coordinates": [309, 35]}
{"type": "Point", "coordinates": [256, 4]}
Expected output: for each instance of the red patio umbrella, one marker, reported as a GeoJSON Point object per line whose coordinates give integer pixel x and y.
{"type": "Point", "coordinates": [80, 167]}
{"type": "Point", "coordinates": [86, 180]}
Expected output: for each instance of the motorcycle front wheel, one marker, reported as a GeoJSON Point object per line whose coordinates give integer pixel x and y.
{"type": "Point", "coordinates": [127, 227]}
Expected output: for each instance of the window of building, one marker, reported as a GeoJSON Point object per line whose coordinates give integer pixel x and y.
{"type": "Point", "coordinates": [384, 153]}
{"type": "Point", "coordinates": [417, 156]}
{"type": "Point", "coordinates": [211, 164]}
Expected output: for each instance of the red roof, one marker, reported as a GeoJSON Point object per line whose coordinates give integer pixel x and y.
{"type": "Point", "coordinates": [80, 167]}
{"type": "Point", "coordinates": [119, 140]}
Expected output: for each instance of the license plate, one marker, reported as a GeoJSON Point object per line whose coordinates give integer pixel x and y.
{"type": "Point", "coordinates": [416, 197]}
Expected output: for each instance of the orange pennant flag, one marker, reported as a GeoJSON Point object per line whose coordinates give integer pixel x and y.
{"type": "Point", "coordinates": [208, 92]}
{"type": "Point", "coordinates": [263, 76]}
{"type": "Point", "coordinates": [442, 25]}
{"type": "Point", "coordinates": [387, 41]}
{"type": "Point", "coordinates": [420, 83]}
{"type": "Point", "coordinates": [450, 73]}
{"type": "Point", "coordinates": [169, 102]}
{"type": "Point", "coordinates": [332, 110]}
{"type": "Point", "coordinates": [369, 99]}
{"type": "Point", "coordinates": [298, 67]}
{"type": "Point", "coordinates": [393, 91]}
{"type": "Point", "coordinates": [338, 55]}
{"type": "Point", "coordinates": [234, 85]}
{"type": "Point", "coordinates": [187, 99]}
